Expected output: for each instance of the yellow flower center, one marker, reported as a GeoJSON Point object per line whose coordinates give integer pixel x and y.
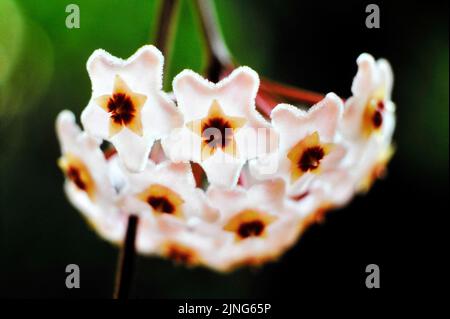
{"type": "Point", "coordinates": [374, 113]}
{"type": "Point", "coordinates": [306, 155]}
{"type": "Point", "coordinates": [162, 200]}
{"type": "Point", "coordinates": [249, 223]}
{"type": "Point", "coordinates": [124, 108]}
{"type": "Point", "coordinates": [180, 254]}
{"type": "Point", "coordinates": [77, 172]}
{"type": "Point", "coordinates": [217, 131]}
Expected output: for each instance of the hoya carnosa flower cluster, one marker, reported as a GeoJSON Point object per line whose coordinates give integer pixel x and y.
{"type": "Point", "coordinates": [266, 180]}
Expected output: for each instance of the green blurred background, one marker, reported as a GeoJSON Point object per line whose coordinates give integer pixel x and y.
{"type": "Point", "coordinates": [313, 45]}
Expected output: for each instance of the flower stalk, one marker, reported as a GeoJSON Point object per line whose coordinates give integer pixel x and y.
{"type": "Point", "coordinates": [220, 64]}
{"type": "Point", "coordinates": [164, 29]}
{"type": "Point", "coordinates": [219, 58]}
{"type": "Point", "coordinates": [125, 267]}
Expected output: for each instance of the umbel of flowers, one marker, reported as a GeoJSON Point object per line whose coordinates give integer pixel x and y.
{"type": "Point", "coordinates": [265, 179]}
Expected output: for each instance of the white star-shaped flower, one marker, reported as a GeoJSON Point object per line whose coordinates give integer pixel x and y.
{"type": "Point", "coordinates": [89, 185]}
{"type": "Point", "coordinates": [166, 198]}
{"type": "Point", "coordinates": [259, 222]}
{"type": "Point", "coordinates": [128, 107]}
{"type": "Point", "coordinates": [166, 190]}
{"type": "Point", "coordinates": [369, 120]}
{"type": "Point", "coordinates": [308, 143]}
{"type": "Point", "coordinates": [330, 190]}
{"type": "Point", "coordinates": [222, 128]}
{"type": "Point", "coordinates": [370, 111]}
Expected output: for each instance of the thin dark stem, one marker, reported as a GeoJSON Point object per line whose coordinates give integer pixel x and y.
{"type": "Point", "coordinates": [265, 103]}
{"type": "Point", "coordinates": [219, 58]}
{"type": "Point", "coordinates": [290, 92]}
{"type": "Point", "coordinates": [125, 267]}
{"type": "Point", "coordinates": [165, 26]}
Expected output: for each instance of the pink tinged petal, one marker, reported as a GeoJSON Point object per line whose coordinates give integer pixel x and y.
{"type": "Point", "coordinates": [291, 123]}
{"type": "Point", "coordinates": [157, 154]}
{"type": "Point", "coordinates": [148, 237]}
{"type": "Point", "coordinates": [116, 173]}
{"type": "Point", "coordinates": [142, 71]}
{"type": "Point", "coordinates": [259, 140]}
{"type": "Point", "coordinates": [95, 120]}
{"type": "Point", "coordinates": [294, 124]}
{"type": "Point", "coordinates": [334, 159]}
{"type": "Point", "coordinates": [203, 209]}
{"type": "Point", "coordinates": [194, 94]}
{"type": "Point", "coordinates": [366, 78]}
{"type": "Point", "coordinates": [229, 201]}
{"type": "Point", "coordinates": [352, 120]}
{"type": "Point", "coordinates": [389, 123]}
{"type": "Point", "coordinates": [66, 129]}
{"type": "Point", "coordinates": [222, 169]}
{"type": "Point", "coordinates": [337, 187]}
{"type": "Point", "coordinates": [269, 195]}
{"type": "Point", "coordinates": [308, 201]}
{"type": "Point", "coordinates": [177, 172]}
{"type": "Point", "coordinates": [148, 240]}
{"type": "Point", "coordinates": [235, 93]}
{"type": "Point", "coordinates": [386, 76]}
{"type": "Point", "coordinates": [267, 166]}
{"type": "Point", "coordinates": [326, 115]}
{"type": "Point", "coordinates": [133, 150]}
{"type": "Point", "coordinates": [182, 145]}
{"type": "Point", "coordinates": [238, 92]}
{"type": "Point", "coordinates": [86, 150]}
{"type": "Point", "coordinates": [364, 155]}
{"type": "Point", "coordinates": [284, 232]}
{"type": "Point", "coordinates": [105, 219]}
{"type": "Point", "coordinates": [342, 188]}
{"type": "Point", "coordinates": [160, 116]}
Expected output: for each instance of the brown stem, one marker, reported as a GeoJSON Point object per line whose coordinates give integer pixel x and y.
{"type": "Point", "coordinates": [220, 63]}
{"type": "Point", "coordinates": [265, 103]}
{"type": "Point", "coordinates": [219, 59]}
{"type": "Point", "coordinates": [125, 267]}
{"type": "Point", "coordinates": [290, 93]}
{"type": "Point", "coordinates": [165, 26]}
{"type": "Point", "coordinates": [272, 93]}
